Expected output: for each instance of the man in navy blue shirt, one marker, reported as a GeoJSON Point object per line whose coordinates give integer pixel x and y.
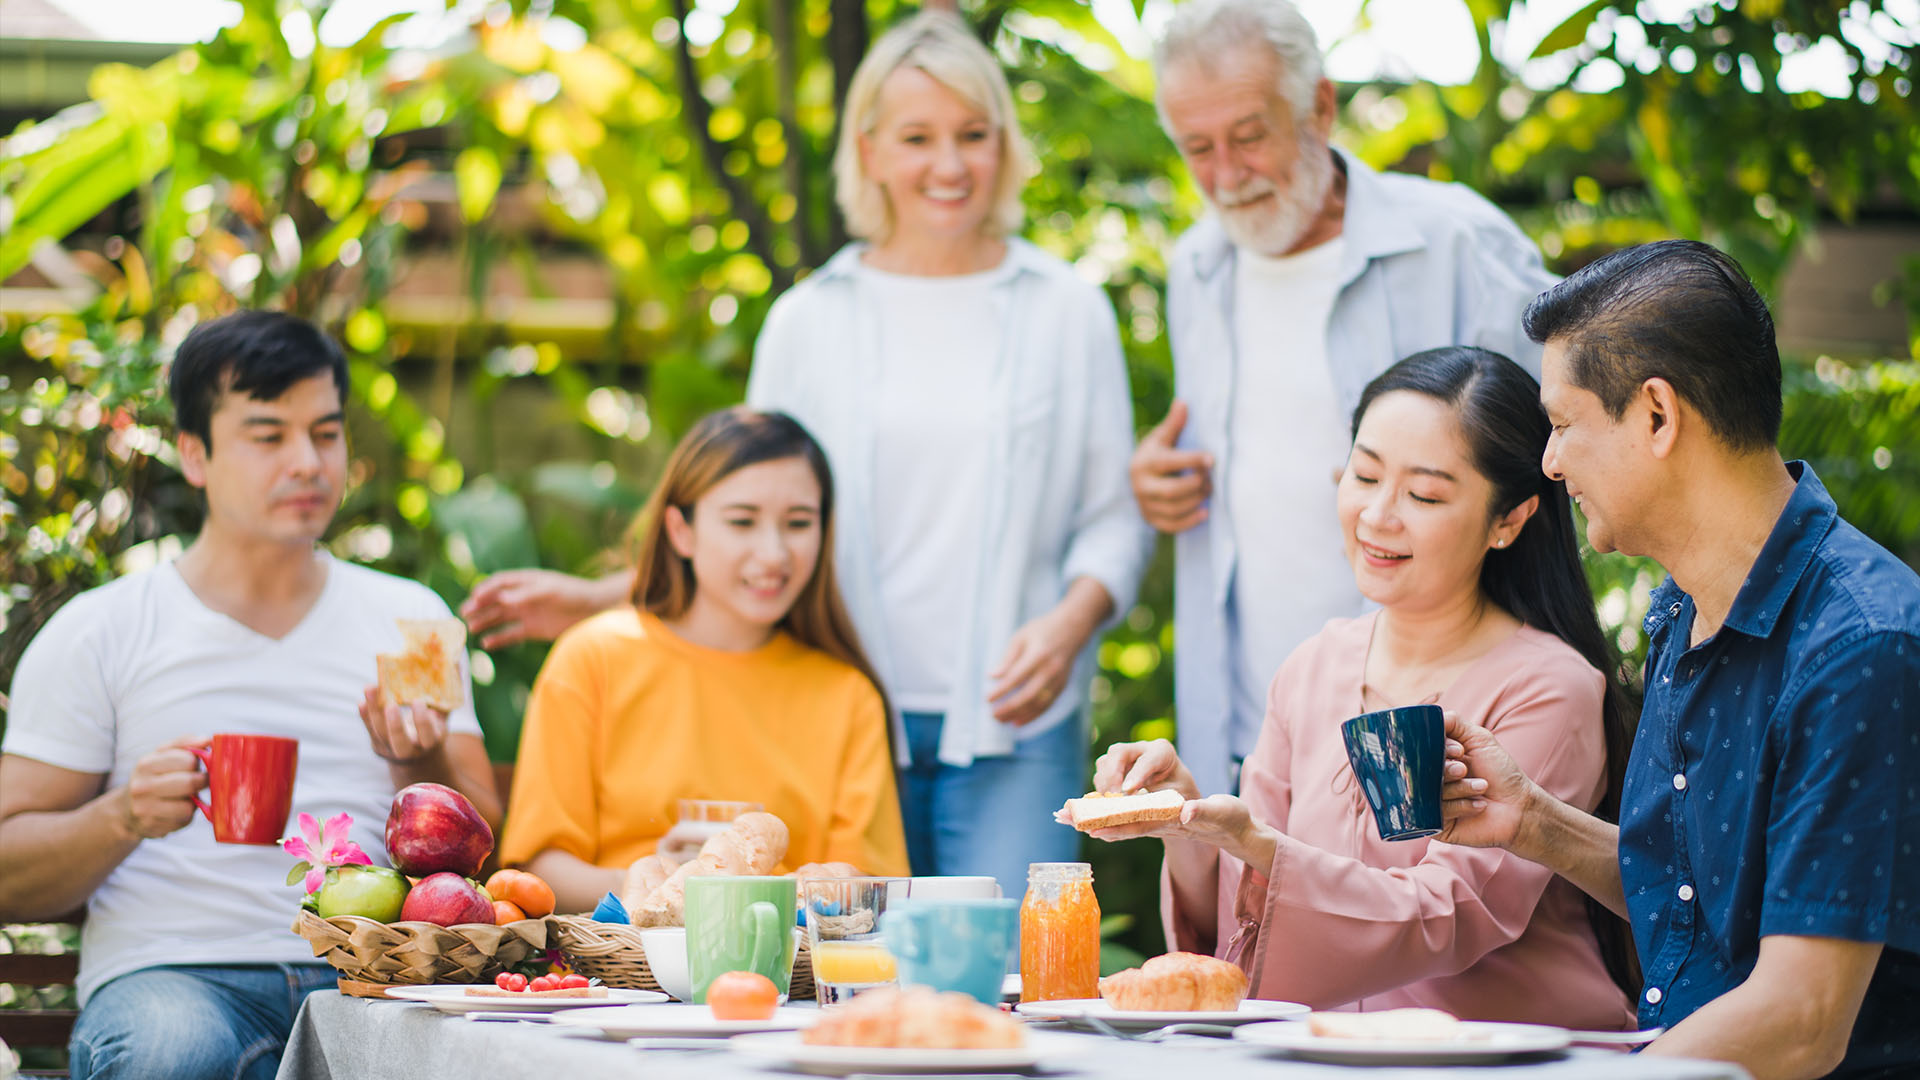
{"type": "Point", "coordinates": [1765, 850]}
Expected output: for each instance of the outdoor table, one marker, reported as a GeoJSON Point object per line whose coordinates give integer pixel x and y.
{"type": "Point", "coordinates": [344, 1038]}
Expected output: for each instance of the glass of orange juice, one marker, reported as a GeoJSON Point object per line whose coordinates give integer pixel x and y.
{"type": "Point", "coordinates": [843, 934]}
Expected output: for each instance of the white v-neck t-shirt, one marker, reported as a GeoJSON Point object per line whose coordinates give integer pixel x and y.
{"type": "Point", "coordinates": [939, 339]}
{"type": "Point", "coordinates": [141, 661]}
{"type": "Point", "coordinates": [1288, 436]}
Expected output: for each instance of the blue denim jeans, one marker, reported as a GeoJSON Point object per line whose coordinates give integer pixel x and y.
{"type": "Point", "coordinates": [193, 1021]}
{"type": "Point", "coordinates": [996, 815]}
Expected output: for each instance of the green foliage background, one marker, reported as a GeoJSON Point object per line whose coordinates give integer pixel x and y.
{"type": "Point", "coordinates": [698, 174]}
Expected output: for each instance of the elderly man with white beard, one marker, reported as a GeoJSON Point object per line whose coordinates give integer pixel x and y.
{"type": "Point", "coordinates": [1312, 275]}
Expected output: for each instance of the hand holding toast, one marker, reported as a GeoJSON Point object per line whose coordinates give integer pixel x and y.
{"type": "Point", "coordinates": [402, 734]}
{"type": "Point", "coordinates": [1153, 765]}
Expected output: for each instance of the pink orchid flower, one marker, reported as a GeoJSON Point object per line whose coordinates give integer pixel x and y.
{"type": "Point", "coordinates": [319, 849]}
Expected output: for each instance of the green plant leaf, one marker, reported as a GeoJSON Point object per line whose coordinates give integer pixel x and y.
{"type": "Point", "coordinates": [1571, 32]}
{"type": "Point", "coordinates": [476, 176]}
{"type": "Point", "coordinates": [298, 872]}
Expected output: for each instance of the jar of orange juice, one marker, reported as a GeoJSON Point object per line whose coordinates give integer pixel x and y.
{"type": "Point", "coordinates": [1059, 933]}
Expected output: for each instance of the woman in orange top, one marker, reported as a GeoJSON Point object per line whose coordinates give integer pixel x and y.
{"type": "Point", "coordinates": [734, 674]}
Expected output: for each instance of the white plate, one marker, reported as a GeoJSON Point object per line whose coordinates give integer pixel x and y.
{"type": "Point", "coordinates": [1250, 1011]}
{"type": "Point", "coordinates": [1479, 1044]}
{"type": "Point", "coordinates": [455, 999]}
{"type": "Point", "coordinates": [785, 1048]}
{"type": "Point", "coordinates": [627, 1022]}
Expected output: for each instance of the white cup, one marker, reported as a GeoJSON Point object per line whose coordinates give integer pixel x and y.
{"type": "Point", "coordinates": [953, 888]}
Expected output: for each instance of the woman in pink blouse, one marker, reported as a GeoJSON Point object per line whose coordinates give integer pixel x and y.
{"type": "Point", "coordinates": [1469, 550]}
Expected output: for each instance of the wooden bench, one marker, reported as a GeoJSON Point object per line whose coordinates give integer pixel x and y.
{"type": "Point", "coordinates": [36, 1027]}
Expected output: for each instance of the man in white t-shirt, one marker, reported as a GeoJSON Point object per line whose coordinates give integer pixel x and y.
{"type": "Point", "coordinates": [1312, 275]}
{"type": "Point", "coordinates": [188, 967]}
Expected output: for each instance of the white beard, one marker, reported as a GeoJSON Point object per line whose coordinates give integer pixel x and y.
{"type": "Point", "coordinates": [1273, 227]}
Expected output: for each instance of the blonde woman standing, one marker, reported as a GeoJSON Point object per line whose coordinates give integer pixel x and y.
{"type": "Point", "coordinates": [970, 392]}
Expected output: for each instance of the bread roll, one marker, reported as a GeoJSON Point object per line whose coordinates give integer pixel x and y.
{"type": "Point", "coordinates": [1177, 982]}
{"type": "Point", "coordinates": [752, 845]}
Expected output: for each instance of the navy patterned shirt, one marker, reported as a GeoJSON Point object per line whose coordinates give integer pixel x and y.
{"type": "Point", "coordinates": [1774, 784]}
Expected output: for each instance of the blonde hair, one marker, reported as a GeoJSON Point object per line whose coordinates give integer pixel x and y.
{"type": "Point", "coordinates": [720, 445]}
{"type": "Point", "coordinates": [938, 43]}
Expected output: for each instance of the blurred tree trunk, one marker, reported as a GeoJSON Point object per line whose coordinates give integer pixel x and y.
{"type": "Point", "coordinates": [786, 87]}
{"type": "Point", "coordinates": [846, 44]}
{"type": "Point", "coordinates": [699, 112]}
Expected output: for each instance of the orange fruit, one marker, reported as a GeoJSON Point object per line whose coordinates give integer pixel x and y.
{"type": "Point", "coordinates": [522, 889]}
{"type": "Point", "coordinates": [505, 912]}
{"type": "Point", "coordinates": [742, 995]}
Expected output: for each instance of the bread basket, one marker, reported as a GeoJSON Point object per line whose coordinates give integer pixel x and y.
{"type": "Point", "coordinates": [421, 953]}
{"type": "Point", "coordinates": [611, 952]}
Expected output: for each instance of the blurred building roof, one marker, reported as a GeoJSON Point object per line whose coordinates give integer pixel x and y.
{"type": "Point", "coordinates": [47, 56]}
{"type": "Point", "coordinates": [40, 19]}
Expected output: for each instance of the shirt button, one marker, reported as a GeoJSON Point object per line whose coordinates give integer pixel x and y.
{"type": "Point", "coordinates": [1686, 892]}
{"type": "Point", "coordinates": [1654, 995]}
{"type": "Point", "coordinates": [1679, 781]}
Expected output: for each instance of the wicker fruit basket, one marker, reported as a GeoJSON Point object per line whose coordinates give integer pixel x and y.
{"type": "Point", "coordinates": [421, 953]}
{"type": "Point", "coordinates": [611, 952]}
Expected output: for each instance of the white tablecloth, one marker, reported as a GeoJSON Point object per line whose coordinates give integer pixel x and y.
{"type": "Point", "coordinates": [343, 1038]}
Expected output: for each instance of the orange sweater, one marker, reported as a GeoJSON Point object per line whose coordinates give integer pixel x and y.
{"type": "Point", "coordinates": [626, 718]}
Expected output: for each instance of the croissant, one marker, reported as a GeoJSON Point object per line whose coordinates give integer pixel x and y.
{"type": "Point", "coordinates": [753, 844]}
{"type": "Point", "coordinates": [1177, 982]}
{"type": "Point", "coordinates": [915, 1017]}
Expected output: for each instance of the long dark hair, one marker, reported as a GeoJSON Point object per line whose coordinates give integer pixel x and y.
{"type": "Point", "coordinates": [720, 445]}
{"type": "Point", "coordinates": [1537, 578]}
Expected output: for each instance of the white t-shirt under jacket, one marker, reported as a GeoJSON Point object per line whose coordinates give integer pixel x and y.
{"type": "Point", "coordinates": [938, 339]}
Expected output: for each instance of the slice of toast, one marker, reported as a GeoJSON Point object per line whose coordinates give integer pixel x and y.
{"type": "Point", "coordinates": [427, 671]}
{"type": "Point", "coordinates": [1422, 1024]}
{"type": "Point", "coordinates": [1101, 810]}
{"type": "Point", "coordinates": [518, 995]}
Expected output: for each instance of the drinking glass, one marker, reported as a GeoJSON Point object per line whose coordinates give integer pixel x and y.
{"type": "Point", "coordinates": [843, 934]}
{"type": "Point", "coordinates": [698, 821]}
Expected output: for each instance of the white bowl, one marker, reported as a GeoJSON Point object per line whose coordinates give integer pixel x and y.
{"type": "Point", "coordinates": [666, 948]}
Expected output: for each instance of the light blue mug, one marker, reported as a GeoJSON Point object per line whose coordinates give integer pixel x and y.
{"type": "Point", "coordinates": [963, 945]}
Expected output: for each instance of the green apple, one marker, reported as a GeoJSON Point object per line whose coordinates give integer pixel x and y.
{"type": "Point", "coordinates": [372, 892]}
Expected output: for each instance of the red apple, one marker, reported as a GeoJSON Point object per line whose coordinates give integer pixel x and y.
{"type": "Point", "coordinates": [433, 828]}
{"type": "Point", "coordinates": [446, 899]}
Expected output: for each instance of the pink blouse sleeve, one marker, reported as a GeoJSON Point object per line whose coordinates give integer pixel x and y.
{"type": "Point", "coordinates": [1335, 929]}
{"type": "Point", "coordinates": [1266, 784]}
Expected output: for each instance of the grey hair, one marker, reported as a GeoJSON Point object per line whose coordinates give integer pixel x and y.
{"type": "Point", "coordinates": [1202, 30]}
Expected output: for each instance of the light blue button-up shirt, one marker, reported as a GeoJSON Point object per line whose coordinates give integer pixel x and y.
{"type": "Point", "coordinates": [1426, 264]}
{"type": "Point", "coordinates": [1059, 506]}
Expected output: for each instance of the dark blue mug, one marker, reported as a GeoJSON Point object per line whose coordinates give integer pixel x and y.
{"type": "Point", "coordinates": [1397, 757]}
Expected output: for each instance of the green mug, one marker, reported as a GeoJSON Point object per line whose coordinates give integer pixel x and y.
{"type": "Point", "coordinates": [740, 924]}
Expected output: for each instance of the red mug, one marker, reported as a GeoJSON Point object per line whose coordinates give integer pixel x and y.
{"type": "Point", "coordinates": [250, 779]}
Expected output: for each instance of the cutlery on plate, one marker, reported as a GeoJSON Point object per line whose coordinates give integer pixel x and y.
{"type": "Point", "coordinates": [1156, 1034]}
{"type": "Point", "coordinates": [664, 1043]}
